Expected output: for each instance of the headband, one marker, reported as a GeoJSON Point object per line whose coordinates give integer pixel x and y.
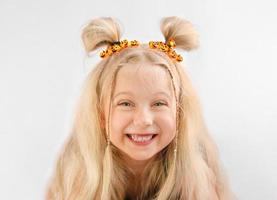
{"type": "Point", "coordinates": [167, 48]}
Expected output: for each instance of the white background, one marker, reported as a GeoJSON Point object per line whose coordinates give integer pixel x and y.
{"type": "Point", "coordinates": [43, 64]}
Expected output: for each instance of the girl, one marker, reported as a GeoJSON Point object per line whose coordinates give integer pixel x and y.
{"type": "Point", "coordinates": [138, 131]}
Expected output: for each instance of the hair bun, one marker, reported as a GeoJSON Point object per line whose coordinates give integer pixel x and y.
{"type": "Point", "coordinates": [99, 32]}
{"type": "Point", "coordinates": [182, 31]}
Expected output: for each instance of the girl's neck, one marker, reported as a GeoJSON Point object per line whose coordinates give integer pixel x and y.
{"type": "Point", "coordinates": [133, 189]}
{"type": "Point", "coordinates": [134, 181]}
{"type": "Point", "coordinates": [136, 166]}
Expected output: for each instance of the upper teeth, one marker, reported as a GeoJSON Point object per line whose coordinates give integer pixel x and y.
{"type": "Point", "coordinates": [141, 138]}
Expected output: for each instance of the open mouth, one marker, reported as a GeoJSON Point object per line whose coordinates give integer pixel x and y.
{"type": "Point", "coordinates": [141, 139]}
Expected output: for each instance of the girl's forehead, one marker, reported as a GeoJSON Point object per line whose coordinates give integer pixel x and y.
{"type": "Point", "coordinates": [143, 77]}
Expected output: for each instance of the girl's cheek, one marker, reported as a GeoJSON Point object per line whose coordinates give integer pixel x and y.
{"type": "Point", "coordinates": [118, 114]}
{"type": "Point", "coordinates": [165, 116]}
{"type": "Point", "coordinates": [167, 120]}
{"type": "Point", "coordinates": [121, 120]}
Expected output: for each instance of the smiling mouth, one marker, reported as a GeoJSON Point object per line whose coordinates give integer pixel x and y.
{"type": "Point", "coordinates": [141, 138]}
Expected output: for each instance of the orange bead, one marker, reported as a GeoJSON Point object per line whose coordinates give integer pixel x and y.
{"type": "Point", "coordinates": [134, 43]}
{"type": "Point", "coordinates": [179, 58]}
{"type": "Point", "coordinates": [124, 43]}
{"type": "Point", "coordinates": [151, 44]}
{"type": "Point", "coordinates": [164, 47]}
{"type": "Point", "coordinates": [171, 43]}
{"type": "Point", "coordinates": [109, 52]}
{"type": "Point", "coordinates": [172, 54]}
{"type": "Point", "coordinates": [103, 54]}
{"type": "Point", "coordinates": [116, 48]}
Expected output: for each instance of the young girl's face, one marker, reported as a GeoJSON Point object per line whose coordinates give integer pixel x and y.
{"type": "Point", "coordinates": [143, 111]}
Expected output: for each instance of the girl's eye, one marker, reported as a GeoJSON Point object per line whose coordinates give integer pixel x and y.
{"type": "Point", "coordinates": [124, 104]}
{"type": "Point", "coordinates": [160, 103]}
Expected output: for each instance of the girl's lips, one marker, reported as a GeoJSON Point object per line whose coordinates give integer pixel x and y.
{"type": "Point", "coordinates": [142, 143]}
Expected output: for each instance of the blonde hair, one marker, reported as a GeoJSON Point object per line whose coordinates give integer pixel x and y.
{"type": "Point", "coordinates": [86, 166]}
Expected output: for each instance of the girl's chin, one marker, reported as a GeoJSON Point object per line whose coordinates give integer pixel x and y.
{"type": "Point", "coordinates": [140, 158]}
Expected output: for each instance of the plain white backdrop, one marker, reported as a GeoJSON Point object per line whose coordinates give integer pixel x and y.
{"type": "Point", "coordinates": [43, 64]}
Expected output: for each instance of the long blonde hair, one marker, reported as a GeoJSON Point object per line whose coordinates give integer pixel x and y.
{"type": "Point", "coordinates": [89, 169]}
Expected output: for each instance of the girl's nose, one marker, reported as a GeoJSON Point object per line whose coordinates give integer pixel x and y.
{"type": "Point", "coordinates": [143, 117]}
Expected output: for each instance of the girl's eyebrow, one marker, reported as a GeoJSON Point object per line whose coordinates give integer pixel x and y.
{"type": "Point", "coordinates": [163, 93]}
{"type": "Point", "coordinates": [130, 93]}
{"type": "Point", "coordinates": [121, 93]}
